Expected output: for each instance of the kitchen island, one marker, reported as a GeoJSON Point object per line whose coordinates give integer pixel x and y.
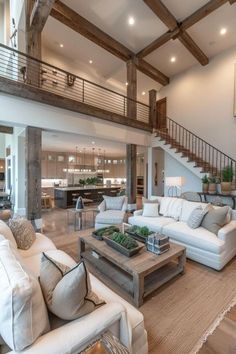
{"type": "Point", "coordinates": [64, 195]}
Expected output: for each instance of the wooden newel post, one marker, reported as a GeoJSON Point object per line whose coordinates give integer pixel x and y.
{"type": "Point", "coordinates": [33, 146]}
{"type": "Point", "coordinates": [131, 89]}
{"type": "Point", "coordinates": [131, 175]}
{"type": "Point", "coordinates": [153, 109]}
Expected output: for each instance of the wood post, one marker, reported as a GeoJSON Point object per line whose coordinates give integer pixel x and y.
{"type": "Point", "coordinates": [131, 89]}
{"type": "Point", "coordinates": [33, 146]}
{"type": "Point", "coordinates": [33, 47]}
{"type": "Point", "coordinates": [131, 175]}
{"type": "Point", "coordinates": [153, 110]}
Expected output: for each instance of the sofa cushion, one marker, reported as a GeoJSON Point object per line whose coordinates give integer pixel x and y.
{"type": "Point", "coordinates": [64, 285]}
{"type": "Point", "coordinates": [154, 224]}
{"type": "Point", "coordinates": [41, 244]}
{"type": "Point", "coordinates": [188, 207]}
{"type": "Point", "coordinates": [197, 215]}
{"type": "Point", "coordinates": [6, 232]}
{"type": "Point", "coordinates": [215, 219]}
{"type": "Point", "coordinates": [110, 217]}
{"type": "Point", "coordinates": [23, 232]}
{"type": "Point", "coordinates": [199, 238]}
{"type": "Point", "coordinates": [174, 208]}
{"type": "Point", "coordinates": [165, 202]}
{"type": "Point", "coordinates": [150, 209]}
{"type": "Point", "coordinates": [23, 313]}
{"type": "Point", "coordinates": [114, 203]}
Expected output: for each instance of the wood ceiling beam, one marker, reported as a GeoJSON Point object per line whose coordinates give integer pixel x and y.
{"type": "Point", "coordinates": [201, 13]}
{"type": "Point", "coordinates": [189, 21]}
{"type": "Point", "coordinates": [6, 130]}
{"type": "Point", "coordinates": [193, 48]}
{"type": "Point", "coordinates": [79, 24]}
{"type": "Point", "coordinates": [163, 13]}
{"type": "Point", "coordinates": [169, 20]}
{"type": "Point", "coordinates": [152, 72]}
{"type": "Point", "coordinates": [41, 11]}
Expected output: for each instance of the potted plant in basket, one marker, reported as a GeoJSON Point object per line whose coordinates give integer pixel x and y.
{"type": "Point", "coordinates": [227, 178]}
{"type": "Point", "coordinates": [205, 184]}
{"type": "Point", "coordinates": [212, 185]}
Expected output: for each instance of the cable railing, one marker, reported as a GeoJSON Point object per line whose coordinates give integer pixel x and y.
{"type": "Point", "coordinates": [205, 155]}
{"type": "Point", "coordinates": [20, 67]}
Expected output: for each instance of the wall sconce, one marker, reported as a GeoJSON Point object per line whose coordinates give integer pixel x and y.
{"type": "Point", "coordinates": [174, 184]}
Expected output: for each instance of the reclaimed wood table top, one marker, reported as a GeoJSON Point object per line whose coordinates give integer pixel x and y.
{"type": "Point", "coordinates": [142, 263]}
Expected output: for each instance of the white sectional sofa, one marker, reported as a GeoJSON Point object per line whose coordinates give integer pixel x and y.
{"type": "Point", "coordinates": [201, 245]}
{"type": "Point", "coordinates": [65, 337]}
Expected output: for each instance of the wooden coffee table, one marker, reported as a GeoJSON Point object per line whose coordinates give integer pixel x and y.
{"type": "Point", "coordinates": [139, 275]}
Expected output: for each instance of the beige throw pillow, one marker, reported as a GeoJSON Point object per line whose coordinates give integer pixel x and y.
{"type": "Point", "coordinates": [114, 203]}
{"type": "Point", "coordinates": [23, 313]}
{"type": "Point", "coordinates": [151, 209]}
{"type": "Point", "coordinates": [67, 291]}
{"type": "Point", "coordinates": [23, 232]}
{"type": "Point", "coordinates": [215, 219]}
{"type": "Point", "coordinates": [6, 232]}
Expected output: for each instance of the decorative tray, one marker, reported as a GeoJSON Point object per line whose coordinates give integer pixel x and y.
{"type": "Point", "coordinates": [126, 252]}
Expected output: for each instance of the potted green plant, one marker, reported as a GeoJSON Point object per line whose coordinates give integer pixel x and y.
{"type": "Point", "coordinates": [227, 178]}
{"type": "Point", "coordinates": [82, 182]}
{"type": "Point", "coordinates": [212, 185]}
{"type": "Point", "coordinates": [205, 184]}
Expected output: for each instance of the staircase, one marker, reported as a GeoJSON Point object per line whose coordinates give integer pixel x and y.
{"type": "Point", "coordinates": [202, 156]}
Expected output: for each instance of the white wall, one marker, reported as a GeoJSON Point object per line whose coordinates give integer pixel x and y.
{"type": "Point", "coordinates": [24, 112]}
{"type": "Point", "coordinates": [175, 169]}
{"type": "Point", "coordinates": [201, 99]}
{"type": "Point", "coordinates": [155, 155]}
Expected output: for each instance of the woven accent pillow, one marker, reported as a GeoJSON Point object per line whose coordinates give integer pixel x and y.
{"type": "Point", "coordinates": [215, 219]}
{"type": "Point", "coordinates": [114, 203]}
{"type": "Point", "coordinates": [67, 291]}
{"type": "Point", "coordinates": [195, 218]}
{"type": "Point", "coordinates": [107, 344]}
{"type": "Point", "coordinates": [23, 232]}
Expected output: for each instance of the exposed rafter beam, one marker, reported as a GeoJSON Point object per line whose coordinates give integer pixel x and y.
{"type": "Point", "coordinates": [189, 21]}
{"type": "Point", "coordinates": [193, 48]}
{"type": "Point", "coordinates": [6, 130]}
{"type": "Point", "coordinates": [40, 13]}
{"type": "Point", "coordinates": [79, 24]}
{"type": "Point", "coordinates": [201, 13]}
{"type": "Point", "coordinates": [169, 20]}
{"type": "Point", "coordinates": [72, 19]}
{"type": "Point", "coordinates": [163, 13]}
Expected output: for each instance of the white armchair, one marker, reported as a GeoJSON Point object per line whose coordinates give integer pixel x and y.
{"type": "Point", "coordinates": [112, 211]}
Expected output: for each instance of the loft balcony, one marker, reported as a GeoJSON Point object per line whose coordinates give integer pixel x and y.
{"type": "Point", "coordinates": [33, 79]}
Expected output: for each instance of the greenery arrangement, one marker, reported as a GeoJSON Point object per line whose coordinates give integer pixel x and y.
{"type": "Point", "coordinates": [123, 240]}
{"type": "Point", "coordinates": [205, 179]}
{"type": "Point", "coordinates": [88, 181]}
{"type": "Point", "coordinates": [227, 174]}
{"type": "Point", "coordinates": [106, 231]}
{"type": "Point", "coordinates": [141, 231]}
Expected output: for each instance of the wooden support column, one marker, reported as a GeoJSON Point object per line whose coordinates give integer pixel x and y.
{"type": "Point", "coordinates": [131, 175]}
{"type": "Point", "coordinates": [33, 146]}
{"type": "Point", "coordinates": [153, 109]}
{"type": "Point", "coordinates": [131, 89]}
{"type": "Point", "coordinates": [33, 47]}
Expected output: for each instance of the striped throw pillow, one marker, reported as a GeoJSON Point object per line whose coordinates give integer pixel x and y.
{"type": "Point", "coordinates": [197, 215]}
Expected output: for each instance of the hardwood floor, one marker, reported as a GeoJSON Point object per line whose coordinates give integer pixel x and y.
{"type": "Point", "coordinates": [179, 313]}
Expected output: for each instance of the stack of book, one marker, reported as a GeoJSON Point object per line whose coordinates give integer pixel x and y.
{"type": "Point", "coordinates": [158, 243]}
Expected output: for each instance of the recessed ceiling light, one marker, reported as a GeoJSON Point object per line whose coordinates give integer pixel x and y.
{"type": "Point", "coordinates": [173, 59]}
{"type": "Point", "coordinates": [143, 93]}
{"type": "Point", "coordinates": [126, 83]}
{"type": "Point", "coordinates": [223, 31]}
{"type": "Point", "coordinates": [93, 142]}
{"type": "Point", "coordinates": [131, 21]}
{"type": "Point", "coordinates": [90, 61]}
{"type": "Point", "coordinates": [61, 45]}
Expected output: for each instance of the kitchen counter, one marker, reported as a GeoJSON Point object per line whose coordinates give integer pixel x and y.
{"type": "Point", "coordinates": [64, 195]}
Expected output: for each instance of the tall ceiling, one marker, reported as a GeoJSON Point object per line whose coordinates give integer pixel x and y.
{"type": "Point", "coordinates": [112, 18]}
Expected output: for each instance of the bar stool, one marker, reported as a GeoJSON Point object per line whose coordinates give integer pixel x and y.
{"type": "Point", "coordinates": [46, 201]}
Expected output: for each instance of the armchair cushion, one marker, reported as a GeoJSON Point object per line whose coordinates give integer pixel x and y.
{"type": "Point", "coordinates": [110, 217]}
{"type": "Point", "coordinates": [114, 203]}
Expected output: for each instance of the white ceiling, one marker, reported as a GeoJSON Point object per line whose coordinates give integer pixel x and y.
{"type": "Point", "coordinates": [112, 16]}
{"type": "Point", "coordinates": [57, 141]}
